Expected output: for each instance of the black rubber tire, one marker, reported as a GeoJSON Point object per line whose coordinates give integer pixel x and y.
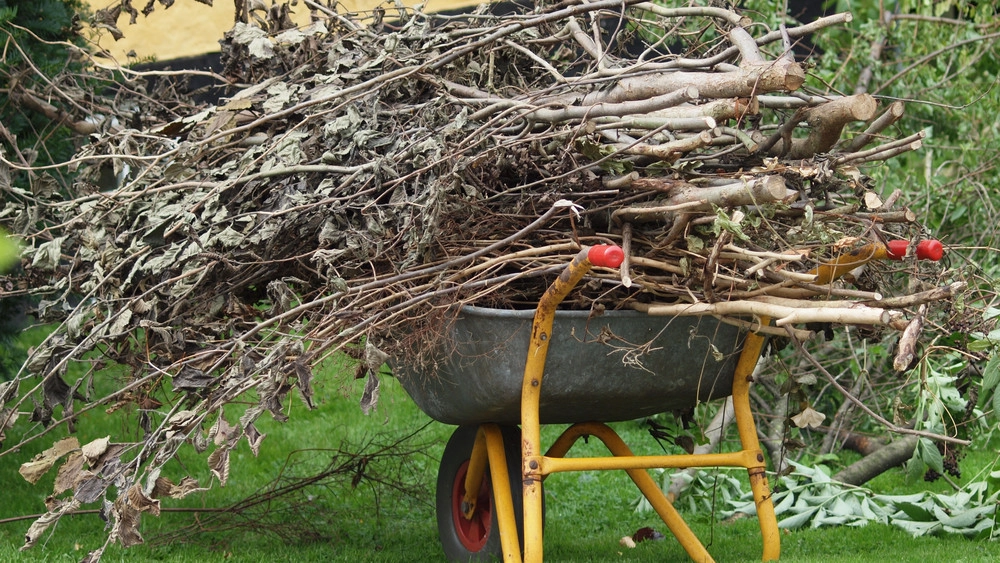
{"type": "Point", "coordinates": [478, 540]}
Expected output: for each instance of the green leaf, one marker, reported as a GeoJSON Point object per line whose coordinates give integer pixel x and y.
{"type": "Point", "coordinates": [967, 518]}
{"type": "Point", "coordinates": [915, 468]}
{"type": "Point", "coordinates": [799, 520]}
{"type": "Point", "coordinates": [918, 528]}
{"type": "Point", "coordinates": [991, 373]}
{"type": "Point", "coordinates": [930, 455]}
{"type": "Point", "coordinates": [916, 512]}
{"type": "Point", "coordinates": [980, 345]}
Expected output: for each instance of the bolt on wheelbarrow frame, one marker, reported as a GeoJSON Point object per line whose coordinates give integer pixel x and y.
{"type": "Point", "coordinates": [488, 451]}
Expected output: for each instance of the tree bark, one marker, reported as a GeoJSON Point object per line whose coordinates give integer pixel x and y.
{"type": "Point", "coordinates": [826, 122]}
{"type": "Point", "coordinates": [878, 462]}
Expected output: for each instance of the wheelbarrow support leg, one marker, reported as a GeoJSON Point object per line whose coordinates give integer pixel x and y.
{"type": "Point", "coordinates": [742, 378]}
{"type": "Point", "coordinates": [649, 488]}
{"type": "Point", "coordinates": [488, 450]}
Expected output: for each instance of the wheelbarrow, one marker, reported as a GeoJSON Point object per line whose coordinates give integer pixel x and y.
{"type": "Point", "coordinates": [619, 365]}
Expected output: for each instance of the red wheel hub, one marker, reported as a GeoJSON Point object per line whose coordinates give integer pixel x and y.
{"type": "Point", "coordinates": [473, 532]}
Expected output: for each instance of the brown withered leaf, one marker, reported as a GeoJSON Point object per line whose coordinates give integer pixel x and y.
{"type": "Point", "coordinates": [254, 438]}
{"type": "Point", "coordinates": [369, 398]}
{"type": "Point", "coordinates": [303, 378]}
{"type": "Point", "coordinates": [93, 556]}
{"type": "Point", "coordinates": [126, 524]}
{"type": "Point", "coordinates": [166, 487]}
{"type": "Point", "coordinates": [7, 419]}
{"type": "Point", "coordinates": [33, 470]}
{"type": "Point", "coordinates": [223, 432]}
{"type": "Point", "coordinates": [192, 379]}
{"type": "Point", "coordinates": [110, 458]}
{"type": "Point", "coordinates": [139, 500]}
{"type": "Point", "coordinates": [809, 417]}
{"type": "Point", "coordinates": [646, 534]}
{"type": "Point", "coordinates": [89, 487]}
{"type": "Point", "coordinates": [69, 473]}
{"type": "Point", "coordinates": [218, 463]}
{"type": "Point", "coordinates": [57, 509]}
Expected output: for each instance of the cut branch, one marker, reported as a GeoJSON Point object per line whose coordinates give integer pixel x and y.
{"type": "Point", "coordinates": [826, 122]}
{"type": "Point", "coordinates": [878, 462]}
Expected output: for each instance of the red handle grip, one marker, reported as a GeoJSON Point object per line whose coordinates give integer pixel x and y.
{"type": "Point", "coordinates": [926, 249]}
{"type": "Point", "coordinates": [606, 255]}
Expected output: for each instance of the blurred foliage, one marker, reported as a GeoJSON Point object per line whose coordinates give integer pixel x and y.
{"type": "Point", "coordinates": [36, 33]}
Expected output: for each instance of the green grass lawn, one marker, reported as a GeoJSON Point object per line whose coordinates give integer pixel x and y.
{"type": "Point", "coordinates": [587, 512]}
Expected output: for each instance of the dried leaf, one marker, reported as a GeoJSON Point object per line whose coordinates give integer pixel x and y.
{"type": "Point", "coordinates": [94, 556]}
{"type": "Point", "coordinates": [254, 438]}
{"type": "Point", "coordinates": [33, 470]}
{"type": "Point", "coordinates": [302, 367]}
{"type": "Point", "coordinates": [126, 524]}
{"type": "Point", "coordinates": [872, 200]}
{"type": "Point", "coordinates": [808, 418]}
{"type": "Point", "coordinates": [7, 419]}
{"type": "Point", "coordinates": [69, 473]}
{"type": "Point", "coordinates": [255, 38]}
{"type": "Point", "coordinates": [48, 254]}
{"type": "Point", "coordinates": [140, 501]}
{"type": "Point", "coordinates": [222, 432]}
{"type": "Point", "coordinates": [646, 534]}
{"type": "Point", "coordinates": [166, 487]}
{"type": "Point", "coordinates": [93, 450]}
{"type": "Point", "coordinates": [90, 487]}
{"type": "Point", "coordinates": [218, 463]}
{"type": "Point", "coordinates": [369, 398]}
{"type": "Point", "coordinates": [57, 509]}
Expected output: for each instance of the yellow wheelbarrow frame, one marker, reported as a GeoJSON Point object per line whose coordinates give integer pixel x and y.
{"type": "Point", "coordinates": [489, 450]}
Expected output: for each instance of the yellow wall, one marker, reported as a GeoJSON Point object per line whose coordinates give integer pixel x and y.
{"type": "Point", "coordinates": [191, 28]}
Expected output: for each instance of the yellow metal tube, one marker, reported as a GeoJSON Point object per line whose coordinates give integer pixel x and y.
{"type": "Point", "coordinates": [538, 347]}
{"type": "Point", "coordinates": [634, 467]}
{"type": "Point", "coordinates": [742, 377]}
{"type": "Point", "coordinates": [503, 502]}
{"type": "Point", "coordinates": [745, 459]}
{"type": "Point", "coordinates": [474, 474]}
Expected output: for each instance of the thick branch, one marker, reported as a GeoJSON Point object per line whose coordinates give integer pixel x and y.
{"type": "Point", "coordinates": [878, 462]}
{"type": "Point", "coordinates": [59, 116]}
{"type": "Point", "coordinates": [888, 117]}
{"type": "Point", "coordinates": [748, 81]}
{"type": "Point", "coordinates": [784, 315]}
{"type": "Point", "coordinates": [826, 123]}
{"type": "Point", "coordinates": [687, 197]}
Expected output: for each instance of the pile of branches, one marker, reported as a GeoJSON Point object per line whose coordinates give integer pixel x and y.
{"type": "Point", "coordinates": [367, 178]}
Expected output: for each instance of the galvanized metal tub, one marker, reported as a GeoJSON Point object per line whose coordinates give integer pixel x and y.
{"type": "Point", "coordinates": [620, 365]}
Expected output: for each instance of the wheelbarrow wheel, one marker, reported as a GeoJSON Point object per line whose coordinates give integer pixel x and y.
{"type": "Point", "coordinates": [477, 539]}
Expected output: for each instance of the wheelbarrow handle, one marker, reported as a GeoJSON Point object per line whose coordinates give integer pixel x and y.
{"type": "Point", "coordinates": [929, 249]}
{"type": "Point", "coordinates": [606, 255]}
{"type": "Point", "coordinates": [825, 273]}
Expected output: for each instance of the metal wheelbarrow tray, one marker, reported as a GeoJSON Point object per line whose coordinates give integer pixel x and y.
{"type": "Point", "coordinates": [620, 365]}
